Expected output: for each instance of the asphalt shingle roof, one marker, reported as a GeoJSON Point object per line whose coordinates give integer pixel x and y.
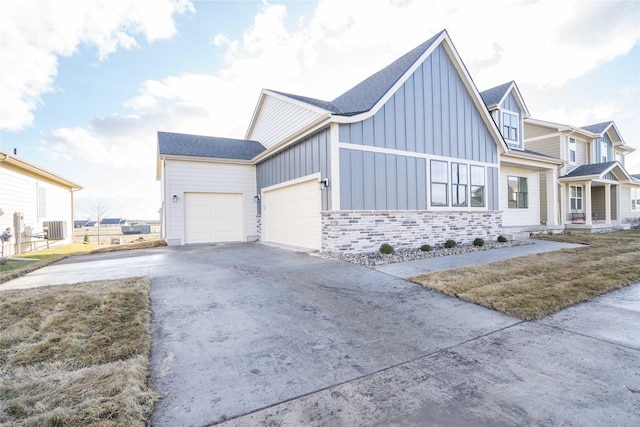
{"type": "Point", "coordinates": [495, 94]}
{"type": "Point", "coordinates": [593, 169]}
{"type": "Point", "coordinates": [636, 176]}
{"type": "Point", "coordinates": [180, 144]}
{"type": "Point", "coordinates": [598, 127]}
{"type": "Point", "coordinates": [366, 94]}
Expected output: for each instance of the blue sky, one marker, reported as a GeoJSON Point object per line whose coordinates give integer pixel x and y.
{"type": "Point", "coordinates": [85, 85]}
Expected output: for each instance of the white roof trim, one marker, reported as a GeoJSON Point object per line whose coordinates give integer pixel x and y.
{"type": "Point", "coordinates": [266, 92]}
{"type": "Point", "coordinates": [519, 99]}
{"type": "Point", "coordinates": [445, 40]}
{"type": "Point", "coordinates": [35, 169]}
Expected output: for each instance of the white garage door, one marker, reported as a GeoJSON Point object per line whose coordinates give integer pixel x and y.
{"type": "Point", "coordinates": [212, 217]}
{"type": "Point", "coordinates": [291, 215]}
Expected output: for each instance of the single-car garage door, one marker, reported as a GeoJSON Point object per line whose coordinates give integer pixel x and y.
{"type": "Point", "coordinates": [291, 215]}
{"type": "Point", "coordinates": [212, 217]}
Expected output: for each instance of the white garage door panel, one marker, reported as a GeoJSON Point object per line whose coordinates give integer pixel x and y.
{"type": "Point", "coordinates": [292, 215]}
{"type": "Point", "coordinates": [212, 217]}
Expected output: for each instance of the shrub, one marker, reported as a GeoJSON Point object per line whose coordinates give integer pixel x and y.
{"type": "Point", "coordinates": [386, 249]}
{"type": "Point", "coordinates": [426, 248]}
{"type": "Point", "coordinates": [450, 244]}
{"type": "Point", "coordinates": [86, 239]}
{"type": "Point", "coordinates": [502, 239]}
{"type": "Point", "coordinates": [478, 241]}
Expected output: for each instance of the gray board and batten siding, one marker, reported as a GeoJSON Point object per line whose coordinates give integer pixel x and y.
{"type": "Point", "coordinates": [381, 181]}
{"type": "Point", "coordinates": [431, 113]}
{"type": "Point", "coordinates": [511, 104]}
{"type": "Point", "coordinates": [309, 156]}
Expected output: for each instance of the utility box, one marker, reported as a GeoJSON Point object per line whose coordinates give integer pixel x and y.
{"type": "Point", "coordinates": [55, 230]}
{"type": "Point", "coordinates": [136, 229]}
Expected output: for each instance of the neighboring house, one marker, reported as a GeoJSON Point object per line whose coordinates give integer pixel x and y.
{"type": "Point", "coordinates": [37, 205]}
{"type": "Point", "coordinates": [113, 222]}
{"type": "Point", "coordinates": [409, 156]}
{"type": "Point", "coordinates": [595, 190]}
{"type": "Point", "coordinates": [528, 189]}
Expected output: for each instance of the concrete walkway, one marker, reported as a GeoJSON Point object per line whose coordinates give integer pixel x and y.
{"type": "Point", "coordinates": [428, 265]}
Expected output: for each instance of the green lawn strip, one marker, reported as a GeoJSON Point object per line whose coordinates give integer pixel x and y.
{"type": "Point", "coordinates": [49, 256]}
{"type": "Point", "coordinates": [534, 286]}
{"type": "Point", "coordinates": [76, 355]}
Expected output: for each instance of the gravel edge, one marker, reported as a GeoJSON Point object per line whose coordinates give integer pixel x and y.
{"type": "Point", "coordinates": [373, 259]}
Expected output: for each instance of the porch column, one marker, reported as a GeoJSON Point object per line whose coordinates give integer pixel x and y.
{"type": "Point", "coordinates": [587, 203]}
{"type": "Point", "coordinates": [607, 203]}
{"type": "Point", "coordinates": [563, 203]}
{"type": "Point", "coordinates": [552, 197]}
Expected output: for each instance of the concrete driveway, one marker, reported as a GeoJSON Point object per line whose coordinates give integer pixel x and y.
{"type": "Point", "coordinates": [257, 335]}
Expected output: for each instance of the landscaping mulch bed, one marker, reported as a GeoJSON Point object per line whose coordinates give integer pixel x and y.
{"type": "Point", "coordinates": [372, 259]}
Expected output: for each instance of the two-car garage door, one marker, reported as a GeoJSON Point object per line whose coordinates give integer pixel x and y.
{"type": "Point", "coordinates": [213, 217]}
{"type": "Point", "coordinates": [291, 215]}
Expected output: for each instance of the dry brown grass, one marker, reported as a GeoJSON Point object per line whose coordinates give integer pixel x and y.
{"type": "Point", "coordinates": [76, 355]}
{"type": "Point", "coordinates": [535, 286]}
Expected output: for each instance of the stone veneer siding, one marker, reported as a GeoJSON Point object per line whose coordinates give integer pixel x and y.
{"type": "Point", "coordinates": [365, 231]}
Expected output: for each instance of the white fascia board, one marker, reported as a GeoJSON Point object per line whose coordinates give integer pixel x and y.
{"type": "Point", "coordinates": [563, 128]}
{"type": "Point", "coordinates": [519, 99]}
{"type": "Point", "coordinates": [528, 157]}
{"type": "Point", "coordinates": [296, 102]}
{"type": "Point", "coordinates": [317, 124]}
{"type": "Point", "coordinates": [394, 88]}
{"type": "Point", "coordinates": [37, 170]}
{"type": "Point", "coordinates": [204, 159]}
{"type": "Point", "coordinates": [266, 92]}
{"type": "Point", "coordinates": [466, 80]}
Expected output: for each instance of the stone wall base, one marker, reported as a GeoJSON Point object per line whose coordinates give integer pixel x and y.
{"type": "Point", "coordinates": [365, 231]}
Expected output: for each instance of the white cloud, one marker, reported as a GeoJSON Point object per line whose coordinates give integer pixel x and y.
{"type": "Point", "coordinates": [34, 33]}
{"type": "Point", "coordinates": [326, 54]}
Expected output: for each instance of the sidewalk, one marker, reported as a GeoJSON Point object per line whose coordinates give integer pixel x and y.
{"type": "Point", "coordinates": [428, 265]}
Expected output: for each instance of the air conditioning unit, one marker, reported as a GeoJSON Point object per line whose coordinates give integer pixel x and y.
{"type": "Point", "coordinates": [55, 230]}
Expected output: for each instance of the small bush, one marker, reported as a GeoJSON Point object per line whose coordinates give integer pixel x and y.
{"type": "Point", "coordinates": [386, 249]}
{"type": "Point", "coordinates": [426, 248]}
{"type": "Point", "coordinates": [450, 244]}
{"type": "Point", "coordinates": [478, 241]}
{"type": "Point", "coordinates": [502, 239]}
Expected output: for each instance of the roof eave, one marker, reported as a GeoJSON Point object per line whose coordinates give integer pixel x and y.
{"type": "Point", "coordinates": [33, 168]}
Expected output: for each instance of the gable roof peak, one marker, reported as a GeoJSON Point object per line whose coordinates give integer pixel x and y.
{"type": "Point", "coordinates": [598, 127]}
{"type": "Point", "coordinates": [365, 95]}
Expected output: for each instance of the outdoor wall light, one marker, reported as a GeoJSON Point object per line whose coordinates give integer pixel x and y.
{"type": "Point", "coordinates": [323, 183]}
{"type": "Point", "coordinates": [175, 198]}
{"type": "Point", "coordinates": [256, 197]}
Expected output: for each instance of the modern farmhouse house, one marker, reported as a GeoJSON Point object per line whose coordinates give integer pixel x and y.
{"type": "Point", "coordinates": [36, 205]}
{"type": "Point", "coordinates": [595, 190]}
{"type": "Point", "coordinates": [414, 154]}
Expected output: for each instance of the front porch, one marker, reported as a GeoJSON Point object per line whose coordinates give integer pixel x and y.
{"type": "Point", "coordinates": [590, 198]}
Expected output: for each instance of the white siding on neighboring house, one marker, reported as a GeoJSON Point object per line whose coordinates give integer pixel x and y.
{"type": "Point", "coordinates": [182, 177]}
{"type": "Point", "coordinates": [549, 146]}
{"type": "Point", "coordinates": [535, 131]}
{"type": "Point", "coordinates": [582, 153]}
{"type": "Point", "coordinates": [279, 119]}
{"type": "Point", "coordinates": [23, 192]}
{"type": "Point", "coordinates": [512, 217]}
{"type": "Point", "coordinates": [625, 203]}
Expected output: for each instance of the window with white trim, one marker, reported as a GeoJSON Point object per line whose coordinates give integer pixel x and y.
{"type": "Point", "coordinates": [603, 151]}
{"type": "Point", "coordinates": [458, 184]}
{"type": "Point", "coordinates": [572, 150]}
{"type": "Point", "coordinates": [510, 126]}
{"type": "Point", "coordinates": [518, 194]}
{"type": "Point", "coordinates": [439, 183]}
{"type": "Point", "coordinates": [576, 198]}
{"type": "Point", "coordinates": [477, 186]}
{"type": "Point", "coordinates": [635, 199]}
